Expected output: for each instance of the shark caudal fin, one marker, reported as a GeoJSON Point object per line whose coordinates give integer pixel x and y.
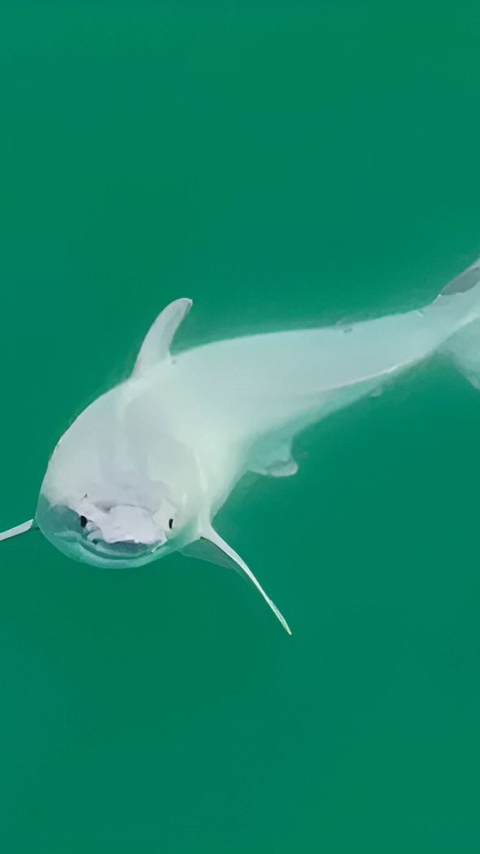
{"type": "Point", "coordinates": [463, 346]}
{"type": "Point", "coordinates": [464, 350]}
{"type": "Point", "coordinates": [19, 529]}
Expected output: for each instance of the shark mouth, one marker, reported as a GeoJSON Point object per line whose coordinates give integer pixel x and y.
{"type": "Point", "coordinates": [121, 550]}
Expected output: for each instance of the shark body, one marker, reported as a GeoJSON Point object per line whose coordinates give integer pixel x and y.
{"type": "Point", "coordinates": [144, 469]}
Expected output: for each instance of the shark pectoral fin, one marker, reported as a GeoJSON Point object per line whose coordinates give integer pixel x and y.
{"type": "Point", "coordinates": [204, 549]}
{"type": "Point", "coordinates": [156, 344]}
{"type": "Point", "coordinates": [210, 535]}
{"type": "Point", "coordinates": [19, 529]}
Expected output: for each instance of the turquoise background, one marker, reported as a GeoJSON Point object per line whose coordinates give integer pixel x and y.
{"type": "Point", "coordinates": [283, 164]}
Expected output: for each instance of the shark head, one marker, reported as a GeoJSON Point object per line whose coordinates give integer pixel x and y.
{"type": "Point", "coordinates": [107, 534]}
{"type": "Point", "coordinates": [128, 482]}
{"type": "Point", "coordinates": [119, 490]}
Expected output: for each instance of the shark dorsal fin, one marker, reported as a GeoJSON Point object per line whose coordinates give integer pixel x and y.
{"type": "Point", "coordinates": [211, 543]}
{"type": "Point", "coordinates": [19, 529]}
{"type": "Point", "coordinates": [156, 344]}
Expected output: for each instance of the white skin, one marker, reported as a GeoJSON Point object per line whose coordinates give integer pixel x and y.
{"type": "Point", "coordinates": [144, 469]}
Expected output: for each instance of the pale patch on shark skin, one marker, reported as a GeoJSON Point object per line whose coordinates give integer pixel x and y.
{"type": "Point", "coordinates": [144, 469]}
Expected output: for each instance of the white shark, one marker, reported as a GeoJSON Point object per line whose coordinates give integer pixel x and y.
{"type": "Point", "coordinates": [144, 469]}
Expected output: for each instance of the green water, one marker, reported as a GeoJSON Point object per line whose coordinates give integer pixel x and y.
{"type": "Point", "coordinates": [283, 164]}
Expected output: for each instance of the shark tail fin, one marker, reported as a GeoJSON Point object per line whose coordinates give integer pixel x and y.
{"type": "Point", "coordinates": [463, 347]}
{"type": "Point", "coordinates": [464, 350]}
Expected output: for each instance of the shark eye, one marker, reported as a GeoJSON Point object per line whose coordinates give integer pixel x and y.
{"type": "Point", "coordinates": [83, 521]}
{"type": "Point", "coordinates": [170, 523]}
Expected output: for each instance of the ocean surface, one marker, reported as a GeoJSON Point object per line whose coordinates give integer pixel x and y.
{"type": "Point", "coordinates": [284, 164]}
